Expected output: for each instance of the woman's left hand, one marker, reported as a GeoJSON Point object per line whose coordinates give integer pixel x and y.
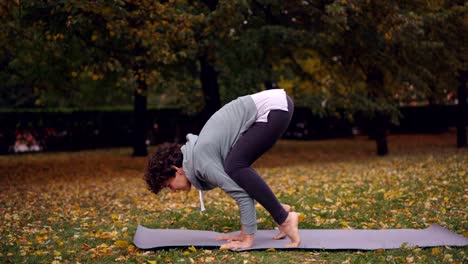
{"type": "Point", "coordinates": [246, 242]}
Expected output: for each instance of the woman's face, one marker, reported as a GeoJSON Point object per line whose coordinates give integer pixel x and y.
{"type": "Point", "coordinates": [179, 182]}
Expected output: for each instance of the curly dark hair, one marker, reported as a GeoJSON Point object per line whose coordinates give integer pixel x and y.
{"type": "Point", "coordinates": [159, 165]}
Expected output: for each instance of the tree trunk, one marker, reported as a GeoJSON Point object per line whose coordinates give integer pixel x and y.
{"type": "Point", "coordinates": [270, 85]}
{"type": "Point", "coordinates": [379, 130]}
{"type": "Point", "coordinates": [210, 87]}
{"type": "Point", "coordinates": [211, 4]}
{"type": "Point", "coordinates": [139, 125]}
{"type": "Point", "coordinates": [380, 122]}
{"type": "Point", "coordinates": [209, 81]}
{"type": "Point", "coordinates": [462, 109]}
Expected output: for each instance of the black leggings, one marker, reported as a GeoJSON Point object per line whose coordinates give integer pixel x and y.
{"type": "Point", "coordinates": [259, 138]}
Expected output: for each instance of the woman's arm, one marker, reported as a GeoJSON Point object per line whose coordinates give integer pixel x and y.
{"type": "Point", "coordinates": [248, 214]}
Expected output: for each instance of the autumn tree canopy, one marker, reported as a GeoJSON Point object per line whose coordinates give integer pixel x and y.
{"type": "Point", "coordinates": [331, 55]}
{"type": "Point", "coordinates": [325, 51]}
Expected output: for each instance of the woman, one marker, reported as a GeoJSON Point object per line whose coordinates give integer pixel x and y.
{"type": "Point", "coordinates": [222, 155]}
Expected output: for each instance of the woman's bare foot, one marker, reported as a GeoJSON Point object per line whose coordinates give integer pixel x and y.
{"type": "Point", "coordinates": [290, 228]}
{"type": "Point", "coordinates": [281, 234]}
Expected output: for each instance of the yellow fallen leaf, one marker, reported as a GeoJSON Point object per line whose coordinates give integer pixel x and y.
{"type": "Point", "coordinates": [345, 224]}
{"type": "Point", "coordinates": [301, 217]}
{"type": "Point", "coordinates": [152, 262]}
{"type": "Point", "coordinates": [448, 257]}
{"type": "Point", "coordinates": [121, 243]}
{"type": "Point", "coordinates": [271, 250]}
{"type": "Point", "coordinates": [209, 259]}
{"type": "Point", "coordinates": [192, 248]}
{"type": "Point", "coordinates": [435, 251]}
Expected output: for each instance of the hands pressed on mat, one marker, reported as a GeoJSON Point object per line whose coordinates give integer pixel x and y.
{"type": "Point", "coordinates": [289, 228]}
{"type": "Point", "coordinates": [238, 241]}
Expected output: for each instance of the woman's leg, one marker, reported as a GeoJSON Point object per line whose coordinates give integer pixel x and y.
{"type": "Point", "coordinates": [259, 138]}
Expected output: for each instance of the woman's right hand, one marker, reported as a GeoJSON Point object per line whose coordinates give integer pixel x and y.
{"type": "Point", "coordinates": [229, 238]}
{"type": "Point", "coordinates": [237, 241]}
{"type": "Point", "coordinates": [234, 237]}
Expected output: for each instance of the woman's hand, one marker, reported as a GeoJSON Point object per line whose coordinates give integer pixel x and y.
{"type": "Point", "coordinates": [243, 241]}
{"type": "Point", "coordinates": [237, 241]}
{"type": "Point", "coordinates": [229, 238]}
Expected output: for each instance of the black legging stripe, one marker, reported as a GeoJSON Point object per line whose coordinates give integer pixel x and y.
{"type": "Point", "coordinates": [258, 139]}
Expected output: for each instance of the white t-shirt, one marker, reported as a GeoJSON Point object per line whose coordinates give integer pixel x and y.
{"type": "Point", "coordinates": [268, 100]}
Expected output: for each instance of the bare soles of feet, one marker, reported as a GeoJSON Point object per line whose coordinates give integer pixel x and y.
{"type": "Point", "coordinates": [290, 228]}
{"type": "Point", "coordinates": [281, 234]}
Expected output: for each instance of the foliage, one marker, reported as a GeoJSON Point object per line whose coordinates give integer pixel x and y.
{"type": "Point", "coordinates": [322, 52]}
{"type": "Point", "coordinates": [326, 52]}
{"type": "Point", "coordinates": [259, 39]}
{"type": "Point", "coordinates": [85, 206]}
{"type": "Point", "coordinates": [102, 50]}
{"type": "Point", "coordinates": [397, 40]}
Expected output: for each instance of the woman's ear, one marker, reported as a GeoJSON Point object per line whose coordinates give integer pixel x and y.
{"type": "Point", "coordinates": [178, 170]}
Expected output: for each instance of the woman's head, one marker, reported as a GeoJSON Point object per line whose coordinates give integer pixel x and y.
{"type": "Point", "coordinates": [161, 164]}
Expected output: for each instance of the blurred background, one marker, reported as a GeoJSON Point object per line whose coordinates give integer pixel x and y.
{"type": "Point", "coordinates": [80, 74]}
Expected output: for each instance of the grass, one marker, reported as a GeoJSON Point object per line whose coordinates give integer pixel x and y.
{"type": "Point", "coordinates": [84, 207]}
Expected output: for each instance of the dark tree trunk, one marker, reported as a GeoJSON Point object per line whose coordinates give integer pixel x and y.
{"type": "Point", "coordinates": [209, 81]}
{"type": "Point", "coordinates": [140, 117]}
{"type": "Point", "coordinates": [379, 127]}
{"type": "Point", "coordinates": [270, 85]}
{"type": "Point", "coordinates": [462, 109]}
{"type": "Point", "coordinates": [211, 4]}
{"type": "Point", "coordinates": [379, 124]}
{"type": "Point", "coordinates": [210, 87]}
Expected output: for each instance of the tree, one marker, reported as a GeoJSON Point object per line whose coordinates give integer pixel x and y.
{"type": "Point", "coordinates": [462, 109]}
{"type": "Point", "coordinates": [361, 56]}
{"type": "Point", "coordinates": [341, 56]}
{"type": "Point", "coordinates": [24, 53]}
{"type": "Point", "coordinates": [208, 73]}
{"type": "Point", "coordinates": [383, 50]}
{"type": "Point", "coordinates": [39, 66]}
{"type": "Point", "coordinates": [134, 44]}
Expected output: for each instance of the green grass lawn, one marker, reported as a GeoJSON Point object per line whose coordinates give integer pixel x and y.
{"type": "Point", "coordinates": [85, 206]}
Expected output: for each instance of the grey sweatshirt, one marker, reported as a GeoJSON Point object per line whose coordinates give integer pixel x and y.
{"type": "Point", "coordinates": [204, 155]}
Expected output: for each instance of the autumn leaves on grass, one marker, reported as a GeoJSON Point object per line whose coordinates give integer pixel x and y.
{"type": "Point", "coordinates": [87, 213]}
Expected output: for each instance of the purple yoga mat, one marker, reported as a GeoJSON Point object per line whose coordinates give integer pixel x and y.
{"type": "Point", "coordinates": [332, 239]}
